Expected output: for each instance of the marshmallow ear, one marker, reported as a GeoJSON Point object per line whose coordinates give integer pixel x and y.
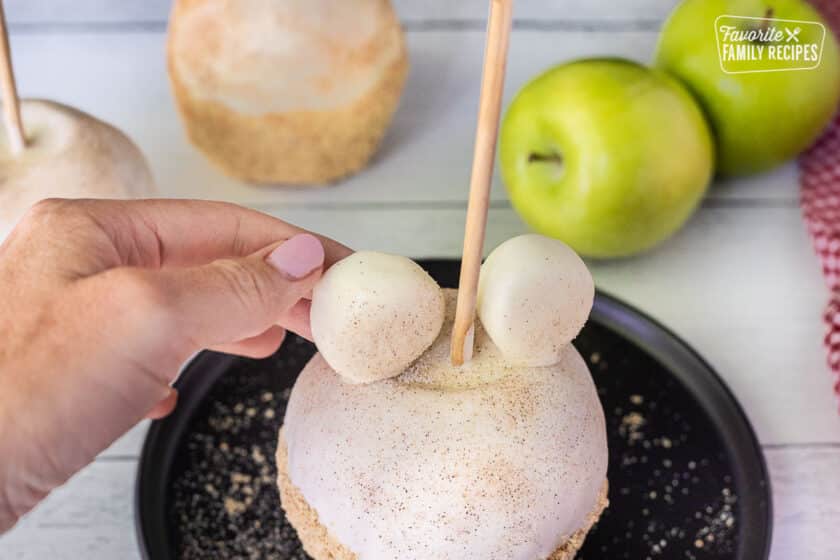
{"type": "Point", "coordinates": [534, 296]}
{"type": "Point", "coordinates": [374, 314]}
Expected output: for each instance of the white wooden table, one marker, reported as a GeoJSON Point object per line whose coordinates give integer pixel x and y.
{"type": "Point", "coordinates": [740, 282]}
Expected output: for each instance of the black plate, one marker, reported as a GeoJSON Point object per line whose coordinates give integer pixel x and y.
{"type": "Point", "coordinates": [687, 476]}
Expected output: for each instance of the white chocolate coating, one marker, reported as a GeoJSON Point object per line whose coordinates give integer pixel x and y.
{"type": "Point", "coordinates": [275, 56]}
{"type": "Point", "coordinates": [69, 154]}
{"type": "Point", "coordinates": [505, 467]}
{"type": "Point", "coordinates": [534, 296]}
{"type": "Point", "coordinates": [373, 314]}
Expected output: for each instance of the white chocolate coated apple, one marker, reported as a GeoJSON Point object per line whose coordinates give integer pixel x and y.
{"type": "Point", "coordinates": [69, 154]}
{"type": "Point", "coordinates": [506, 465]}
{"type": "Point", "coordinates": [535, 294]}
{"type": "Point", "coordinates": [373, 314]}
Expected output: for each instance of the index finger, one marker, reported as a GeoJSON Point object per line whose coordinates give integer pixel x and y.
{"type": "Point", "coordinates": [193, 232]}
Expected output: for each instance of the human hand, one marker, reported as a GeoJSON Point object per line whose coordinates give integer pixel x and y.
{"type": "Point", "coordinates": [102, 301]}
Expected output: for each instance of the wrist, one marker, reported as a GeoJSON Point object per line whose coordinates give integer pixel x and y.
{"type": "Point", "coordinates": [8, 517]}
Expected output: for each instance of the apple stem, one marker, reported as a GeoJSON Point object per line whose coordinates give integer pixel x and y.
{"type": "Point", "coordinates": [767, 15]}
{"type": "Point", "coordinates": [545, 158]}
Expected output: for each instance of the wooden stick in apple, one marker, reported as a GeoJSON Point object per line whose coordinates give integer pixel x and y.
{"type": "Point", "coordinates": [68, 154]}
{"type": "Point", "coordinates": [11, 104]}
{"type": "Point", "coordinates": [490, 104]}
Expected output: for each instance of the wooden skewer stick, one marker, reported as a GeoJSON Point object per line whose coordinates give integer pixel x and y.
{"type": "Point", "coordinates": [490, 105]}
{"type": "Point", "coordinates": [11, 103]}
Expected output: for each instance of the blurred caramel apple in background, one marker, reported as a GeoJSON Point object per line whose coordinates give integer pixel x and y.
{"type": "Point", "coordinates": [286, 91]}
{"type": "Point", "coordinates": [68, 154]}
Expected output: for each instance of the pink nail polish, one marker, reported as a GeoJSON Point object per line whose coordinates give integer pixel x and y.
{"type": "Point", "coordinates": [298, 256]}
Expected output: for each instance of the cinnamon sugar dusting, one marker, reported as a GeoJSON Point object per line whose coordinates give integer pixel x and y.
{"type": "Point", "coordinates": [373, 314]}
{"type": "Point", "coordinates": [434, 370]}
{"type": "Point", "coordinates": [320, 542]}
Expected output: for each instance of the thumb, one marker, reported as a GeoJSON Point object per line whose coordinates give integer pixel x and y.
{"type": "Point", "coordinates": [234, 299]}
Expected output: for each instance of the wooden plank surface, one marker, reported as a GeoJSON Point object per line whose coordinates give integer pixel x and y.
{"type": "Point", "coordinates": [806, 490]}
{"type": "Point", "coordinates": [739, 283]}
{"type": "Point", "coordinates": [124, 11]}
{"type": "Point", "coordinates": [91, 517]}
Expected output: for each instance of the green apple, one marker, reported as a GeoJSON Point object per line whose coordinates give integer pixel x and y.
{"type": "Point", "coordinates": [760, 119]}
{"type": "Point", "coordinates": [606, 155]}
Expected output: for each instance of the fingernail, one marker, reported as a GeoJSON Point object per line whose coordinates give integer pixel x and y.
{"type": "Point", "coordinates": [298, 256]}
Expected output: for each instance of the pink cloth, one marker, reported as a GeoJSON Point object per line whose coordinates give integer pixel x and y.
{"type": "Point", "coordinates": [820, 200]}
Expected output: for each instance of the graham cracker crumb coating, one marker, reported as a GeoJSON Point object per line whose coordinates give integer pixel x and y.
{"type": "Point", "coordinates": [304, 147]}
